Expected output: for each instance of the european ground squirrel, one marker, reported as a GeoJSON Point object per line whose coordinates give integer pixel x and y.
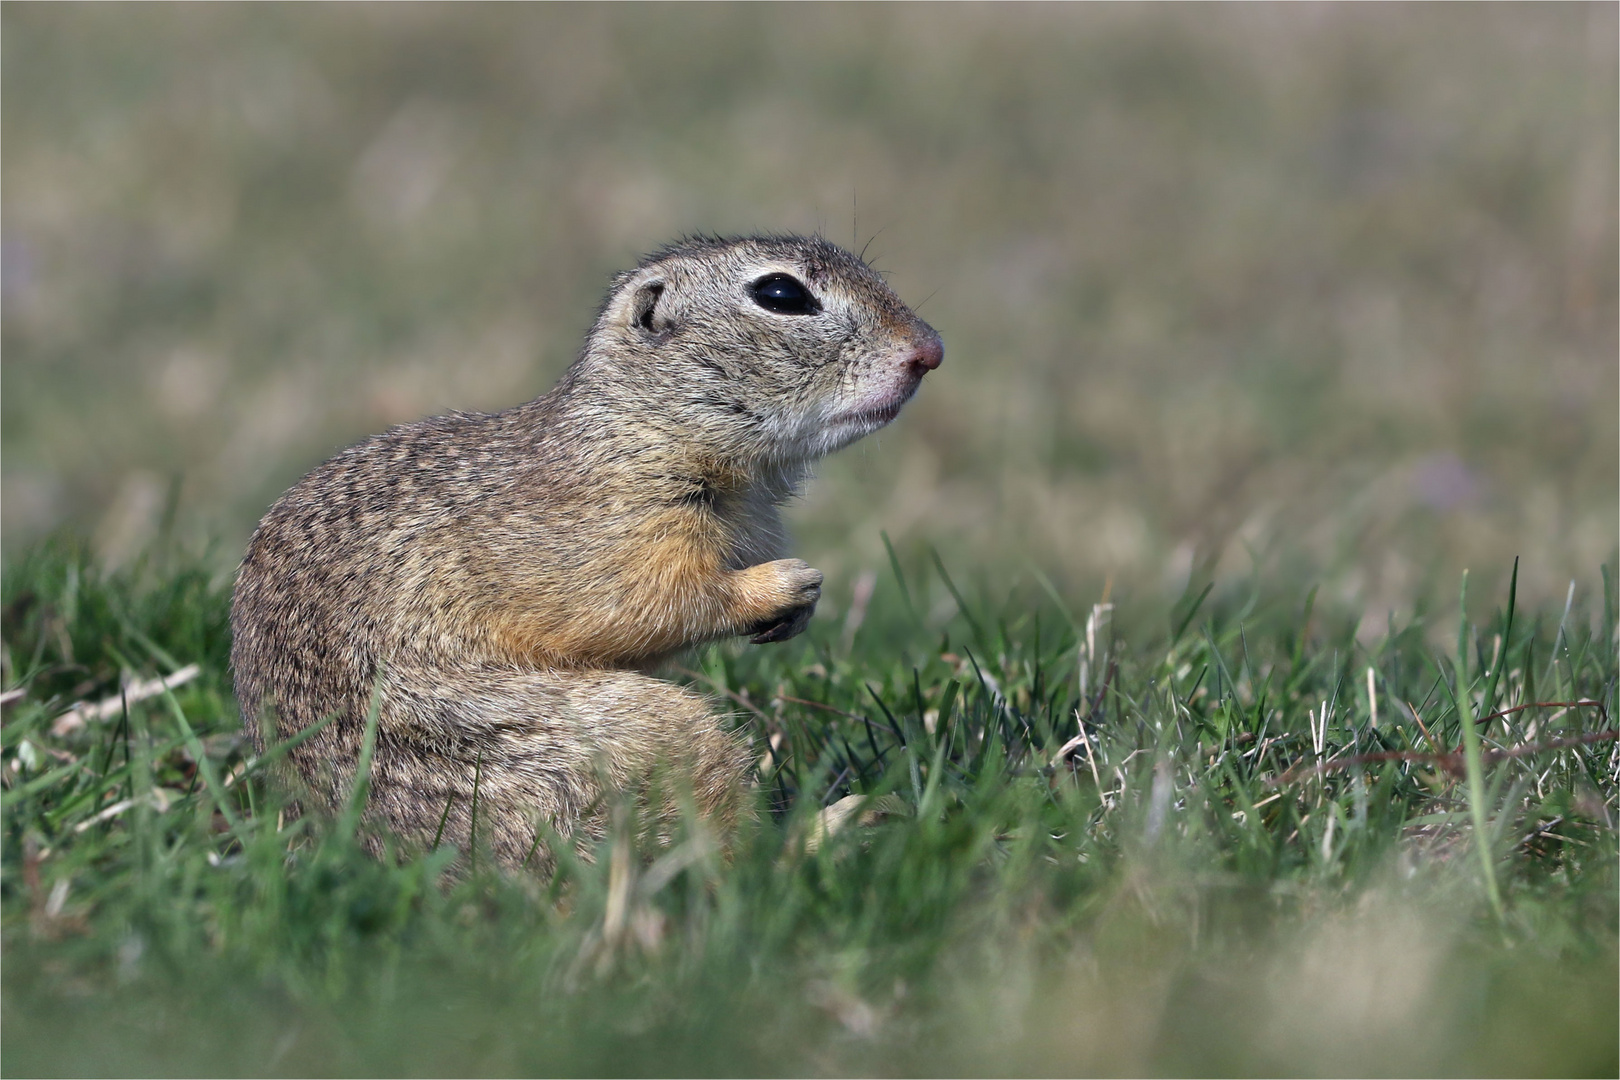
{"type": "Point", "coordinates": [496, 586]}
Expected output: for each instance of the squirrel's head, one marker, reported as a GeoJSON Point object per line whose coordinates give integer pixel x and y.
{"type": "Point", "coordinates": [777, 348]}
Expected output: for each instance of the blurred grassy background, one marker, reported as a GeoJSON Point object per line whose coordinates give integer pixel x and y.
{"type": "Point", "coordinates": [1330, 288]}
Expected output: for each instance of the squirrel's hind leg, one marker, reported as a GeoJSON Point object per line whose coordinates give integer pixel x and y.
{"type": "Point", "coordinates": [552, 747]}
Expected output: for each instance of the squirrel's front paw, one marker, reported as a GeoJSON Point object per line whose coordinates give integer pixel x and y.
{"type": "Point", "coordinates": [802, 585]}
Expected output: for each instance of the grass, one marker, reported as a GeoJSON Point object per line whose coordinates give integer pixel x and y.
{"type": "Point", "coordinates": [1112, 840]}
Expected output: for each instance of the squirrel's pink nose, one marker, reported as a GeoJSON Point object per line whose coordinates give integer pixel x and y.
{"type": "Point", "coordinates": [927, 354]}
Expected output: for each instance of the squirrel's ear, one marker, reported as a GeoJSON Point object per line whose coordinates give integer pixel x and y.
{"type": "Point", "coordinates": [641, 307]}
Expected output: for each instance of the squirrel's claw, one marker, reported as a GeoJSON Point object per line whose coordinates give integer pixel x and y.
{"type": "Point", "coordinates": [789, 625]}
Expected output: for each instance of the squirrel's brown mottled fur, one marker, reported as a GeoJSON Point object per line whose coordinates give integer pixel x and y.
{"type": "Point", "coordinates": [495, 586]}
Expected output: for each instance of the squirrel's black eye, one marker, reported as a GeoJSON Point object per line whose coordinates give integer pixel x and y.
{"type": "Point", "coordinates": [784, 295]}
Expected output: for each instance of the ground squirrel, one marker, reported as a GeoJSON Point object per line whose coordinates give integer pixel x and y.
{"type": "Point", "coordinates": [497, 586]}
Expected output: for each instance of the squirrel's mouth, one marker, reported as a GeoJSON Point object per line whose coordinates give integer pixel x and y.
{"type": "Point", "coordinates": [875, 416]}
{"type": "Point", "coordinates": [861, 417]}
{"type": "Point", "coordinates": [849, 426]}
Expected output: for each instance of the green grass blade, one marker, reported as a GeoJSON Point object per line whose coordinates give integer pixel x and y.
{"type": "Point", "coordinates": [354, 805]}
{"type": "Point", "coordinates": [216, 790]}
{"type": "Point", "coordinates": [1488, 703]}
{"type": "Point", "coordinates": [1477, 805]}
{"type": "Point", "coordinates": [899, 577]}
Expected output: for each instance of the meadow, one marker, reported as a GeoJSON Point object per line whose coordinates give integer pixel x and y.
{"type": "Point", "coordinates": [1236, 842]}
{"type": "Point", "coordinates": [1217, 668]}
